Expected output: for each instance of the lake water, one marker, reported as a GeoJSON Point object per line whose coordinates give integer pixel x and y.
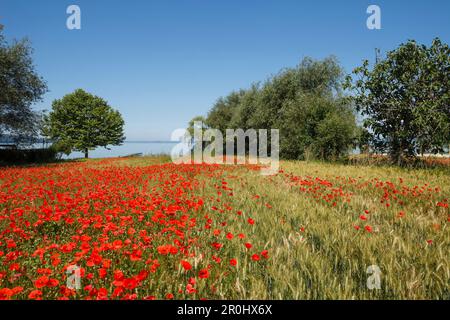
{"type": "Point", "coordinates": [127, 148]}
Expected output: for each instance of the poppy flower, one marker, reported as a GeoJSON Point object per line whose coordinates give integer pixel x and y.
{"type": "Point", "coordinates": [248, 245]}
{"type": "Point", "coordinates": [186, 265]}
{"type": "Point", "coordinates": [255, 257]}
{"type": "Point", "coordinates": [190, 289]}
{"type": "Point", "coordinates": [233, 262]}
{"type": "Point", "coordinates": [203, 274]}
{"type": "Point", "coordinates": [216, 245]}
{"type": "Point", "coordinates": [102, 273]}
{"type": "Point", "coordinates": [41, 282]}
{"type": "Point", "coordinates": [442, 204]}
{"type": "Point", "coordinates": [130, 283]}
{"type": "Point", "coordinates": [35, 294]}
{"type": "Point", "coordinates": [136, 255]}
{"type": "Point", "coordinates": [169, 296]}
{"type": "Point", "coordinates": [265, 254]}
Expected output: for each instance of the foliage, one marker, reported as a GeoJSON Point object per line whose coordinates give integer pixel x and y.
{"type": "Point", "coordinates": [81, 121]}
{"type": "Point", "coordinates": [221, 114]}
{"type": "Point", "coordinates": [302, 102]}
{"type": "Point", "coordinates": [406, 99]}
{"type": "Point", "coordinates": [20, 87]}
{"type": "Point", "coordinates": [24, 156]}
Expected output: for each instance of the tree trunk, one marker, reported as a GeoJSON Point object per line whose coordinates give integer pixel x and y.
{"type": "Point", "coordinates": [86, 153]}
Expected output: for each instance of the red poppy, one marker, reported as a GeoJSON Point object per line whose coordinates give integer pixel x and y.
{"type": "Point", "coordinates": [217, 245]}
{"type": "Point", "coordinates": [265, 254]}
{"type": "Point", "coordinates": [102, 273]}
{"type": "Point", "coordinates": [255, 257]}
{"type": "Point", "coordinates": [130, 283]}
{"type": "Point", "coordinates": [41, 282]}
{"type": "Point", "coordinates": [186, 265]}
{"type": "Point", "coordinates": [169, 296]}
{"type": "Point", "coordinates": [203, 274]}
{"type": "Point", "coordinates": [35, 294]}
{"type": "Point", "coordinates": [233, 262]}
{"type": "Point", "coordinates": [190, 289]}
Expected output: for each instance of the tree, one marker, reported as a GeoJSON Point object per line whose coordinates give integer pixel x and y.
{"type": "Point", "coordinates": [335, 134]}
{"type": "Point", "coordinates": [193, 129]}
{"type": "Point", "coordinates": [301, 102]}
{"type": "Point", "coordinates": [318, 77]}
{"type": "Point", "coordinates": [406, 99]}
{"type": "Point", "coordinates": [191, 125]}
{"type": "Point", "coordinates": [246, 108]}
{"type": "Point", "coordinates": [20, 87]}
{"type": "Point", "coordinates": [221, 114]}
{"type": "Point", "coordinates": [316, 126]}
{"type": "Point", "coordinates": [81, 121]}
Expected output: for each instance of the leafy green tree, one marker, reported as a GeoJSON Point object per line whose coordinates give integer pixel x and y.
{"type": "Point", "coordinates": [301, 102]}
{"type": "Point", "coordinates": [335, 134]}
{"type": "Point", "coordinates": [221, 114]}
{"type": "Point", "coordinates": [20, 87]}
{"type": "Point", "coordinates": [247, 106]}
{"type": "Point", "coordinates": [81, 121]}
{"type": "Point", "coordinates": [406, 99]}
{"type": "Point", "coordinates": [192, 122]}
{"type": "Point", "coordinates": [316, 126]}
{"type": "Point", "coordinates": [318, 77]}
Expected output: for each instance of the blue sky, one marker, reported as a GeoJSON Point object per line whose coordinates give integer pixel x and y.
{"type": "Point", "coordinates": [162, 62]}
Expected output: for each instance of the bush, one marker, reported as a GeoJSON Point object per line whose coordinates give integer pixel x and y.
{"type": "Point", "coordinates": [22, 156]}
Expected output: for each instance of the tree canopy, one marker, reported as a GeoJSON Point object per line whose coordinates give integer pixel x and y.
{"type": "Point", "coordinates": [305, 103]}
{"type": "Point", "coordinates": [405, 99]}
{"type": "Point", "coordinates": [20, 87]}
{"type": "Point", "coordinates": [81, 121]}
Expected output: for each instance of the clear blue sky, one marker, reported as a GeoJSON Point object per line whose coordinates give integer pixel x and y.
{"type": "Point", "coordinates": [162, 62]}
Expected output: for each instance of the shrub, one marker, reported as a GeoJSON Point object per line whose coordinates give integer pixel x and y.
{"type": "Point", "coordinates": [23, 156]}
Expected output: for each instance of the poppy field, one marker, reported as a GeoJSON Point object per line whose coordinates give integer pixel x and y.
{"type": "Point", "coordinates": [145, 228]}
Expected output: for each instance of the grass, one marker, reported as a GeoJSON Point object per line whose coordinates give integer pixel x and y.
{"type": "Point", "coordinates": [322, 224]}
{"type": "Point", "coordinates": [318, 253]}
